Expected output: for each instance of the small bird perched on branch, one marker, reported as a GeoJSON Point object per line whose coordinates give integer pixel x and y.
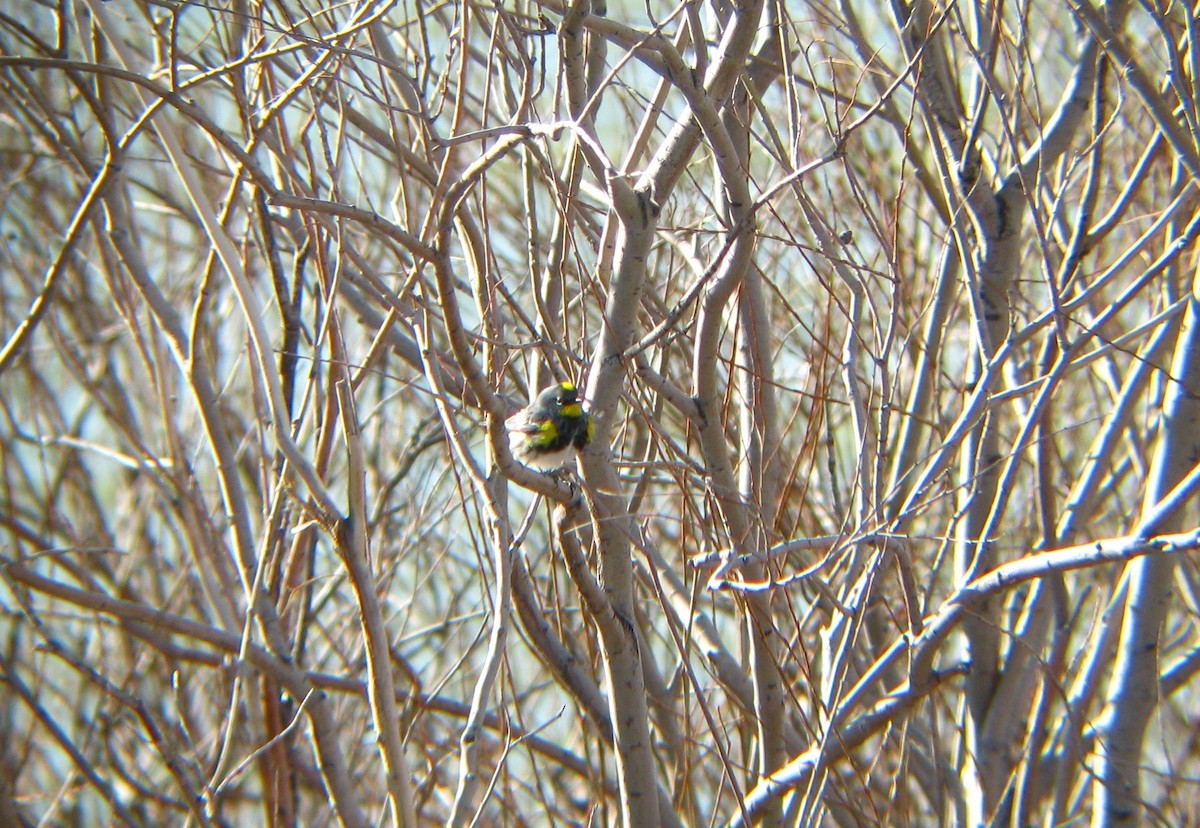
{"type": "Point", "coordinates": [543, 434]}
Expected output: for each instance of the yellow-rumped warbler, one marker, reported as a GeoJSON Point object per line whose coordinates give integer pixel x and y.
{"type": "Point", "coordinates": [543, 434]}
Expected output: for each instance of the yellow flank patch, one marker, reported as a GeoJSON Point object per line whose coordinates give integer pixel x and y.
{"type": "Point", "coordinates": [572, 410]}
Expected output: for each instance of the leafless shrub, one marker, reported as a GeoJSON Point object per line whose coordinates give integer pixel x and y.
{"type": "Point", "coordinates": [886, 321]}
